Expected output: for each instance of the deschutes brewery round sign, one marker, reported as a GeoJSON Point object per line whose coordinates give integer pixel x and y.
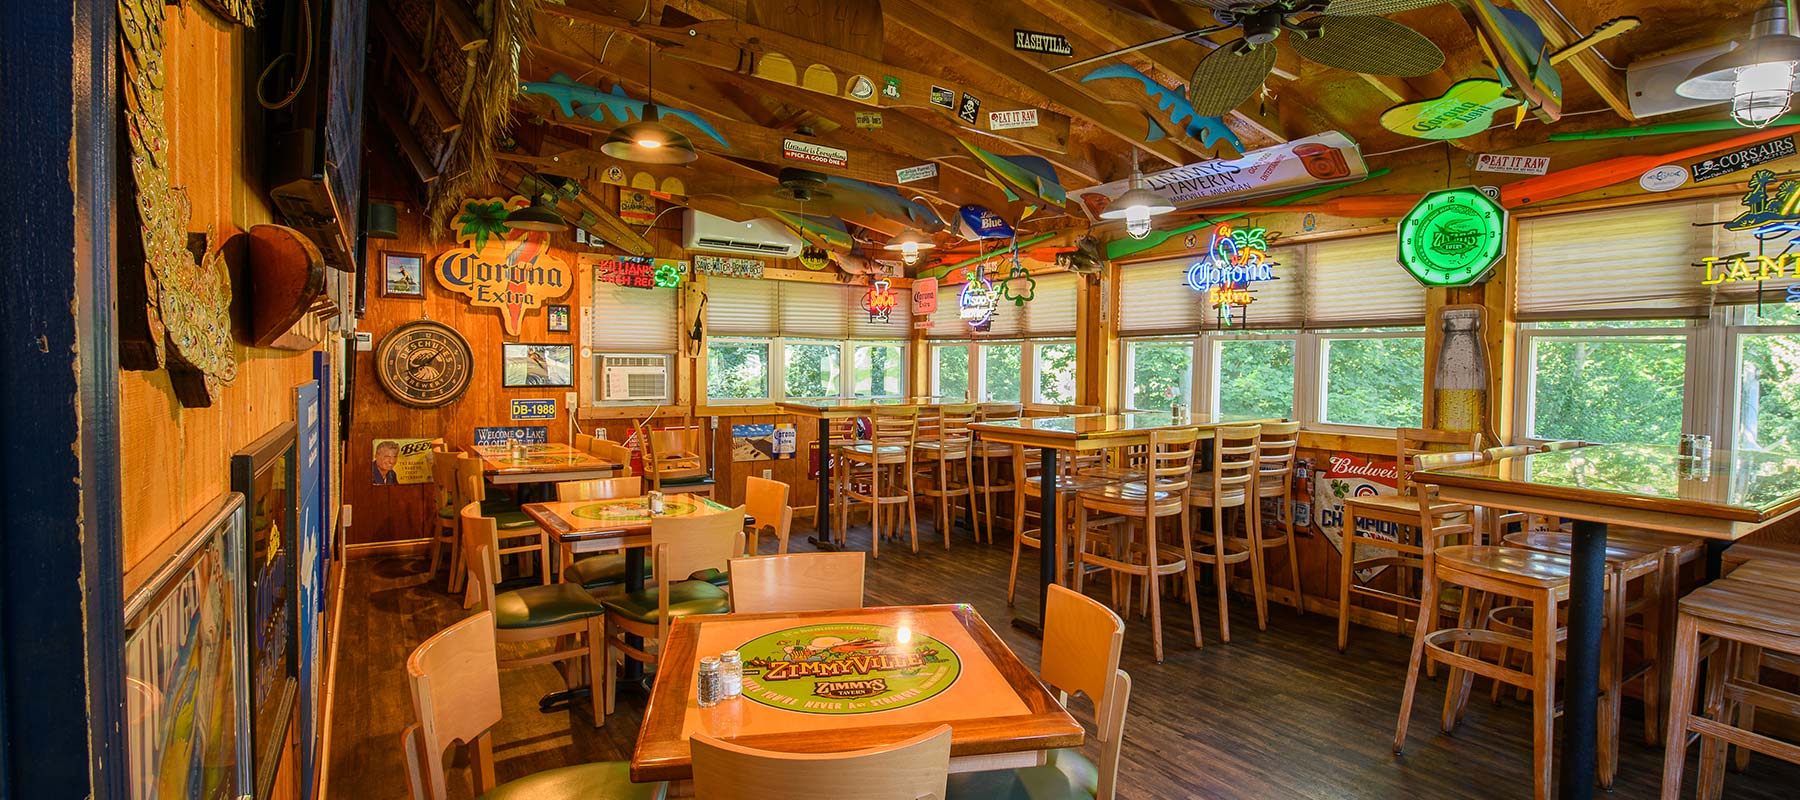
{"type": "Point", "coordinates": [1453, 237]}
{"type": "Point", "coordinates": [424, 364]}
{"type": "Point", "coordinates": [846, 668]}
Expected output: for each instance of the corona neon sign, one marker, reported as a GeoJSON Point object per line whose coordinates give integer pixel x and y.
{"type": "Point", "coordinates": [1235, 257]}
{"type": "Point", "coordinates": [880, 300]}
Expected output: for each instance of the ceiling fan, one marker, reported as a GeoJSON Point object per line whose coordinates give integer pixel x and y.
{"type": "Point", "coordinates": [1345, 34]}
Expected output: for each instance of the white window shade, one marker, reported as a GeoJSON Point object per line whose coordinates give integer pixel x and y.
{"type": "Point", "coordinates": [1619, 263]}
{"type": "Point", "coordinates": [1359, 283]}
{"type": "Point", "coordinates": [1051, 312]}
{"type": "Point", "coordinates": [1280, 303]}
{"type": "Point", "coordinates": [818, 310]}
{"type": "Point", "coordinates": [756, 307]}
{"type": "Point", "coordinates": [742, 306]}
{"type": "Point", "coordinates": [632, 320]}
{"type": "Point", "coordinates": [945, 322]}
{"type": "Point", "coordinates": [1154, 298]}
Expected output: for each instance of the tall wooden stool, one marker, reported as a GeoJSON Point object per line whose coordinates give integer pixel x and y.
{"type": "Point", "coordinates": [1236, 463]}
{"type": "Point", "coordinates": [1169, 474]}
{"type": "Point", "coordinates": [888, 455]}
{"type": "Point", "coordinates": [1277, 450]}
{"type": "Point", "coordinates": [988, 453]}
{"type": "Point", "coordinates": [1400, 510]}
{"type": "Point", "coordinates": [842, 432]}
{"type": "Point", "coordinates": [1026, 505]}
{"type": "Point", "coordinates": [947, 452]}
{"type": "Point", "coordinates": [1780, 574]}
{"type": "Point", "coordinates": [1537, 578]}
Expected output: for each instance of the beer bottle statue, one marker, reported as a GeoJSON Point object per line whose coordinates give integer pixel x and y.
{"type": "Point", "coordinates": [1462, 377]}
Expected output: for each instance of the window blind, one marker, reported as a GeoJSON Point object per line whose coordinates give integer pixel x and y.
{"type": "Point", "coordinates": [1618, 263]}
{"type": "Point", "coordinates": [758, 307]}
{"type": "Point", "coordinates": [632, 320]}
{"type": "Point", "coordinates": [1358, 282]}
{"type": "Point", "coordinates": [742, 306]}
{"type": "Point", "coordinates": [1155, 298]}
{"type": "Point", "coordinates": [1051, 311]}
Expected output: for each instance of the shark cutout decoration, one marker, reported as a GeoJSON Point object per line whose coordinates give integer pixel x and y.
{"type": "Point", "coordinates": [1175, 102]}
{"type": "Point", "coordinates": [1029, 178]}
{"type": "Point", "coordinates": [838, 195]}
{"type": "Point", "coordinates": [578, 99]}
{"type": "Point", "coordinates": [829, 231]}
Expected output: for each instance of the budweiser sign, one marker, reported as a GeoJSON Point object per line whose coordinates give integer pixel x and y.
{"type": "Point", "coordinates": [1343, 465]}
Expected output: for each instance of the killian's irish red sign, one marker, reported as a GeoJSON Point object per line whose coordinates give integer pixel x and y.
{"type": "Point", "coordinates": [499, 267]}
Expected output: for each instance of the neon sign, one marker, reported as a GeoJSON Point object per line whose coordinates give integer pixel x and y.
{"type": "Point", "coordinates": [1772, 208]}
{"type": "Point", "coordinates": [978, 301]}
{"type": "Point", "coordinates": [1236, 257]}
{"type": "Point", "coordinates": [1736, 269]}
{"type": "Point", "coordinates": [1453, 237]}
{"type": "Point", "coordinates": [880, 300]}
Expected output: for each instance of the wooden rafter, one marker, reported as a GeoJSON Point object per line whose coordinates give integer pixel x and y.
{"type": "Point", "coordinates": [401, 49]}
{"type": "Point", "coordinates": [1607, 82]}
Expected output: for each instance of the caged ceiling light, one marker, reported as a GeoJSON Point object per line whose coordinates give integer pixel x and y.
{"type": "Point", "coordinates": [1137, 205]}
{"type": "Point", "coordinates": [1758, 76]}
{"type": "Point", "coordinates": [909, 243]}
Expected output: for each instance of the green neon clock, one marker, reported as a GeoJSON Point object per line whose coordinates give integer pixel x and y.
{"type": "Point", "coordinates": [1453, 237]}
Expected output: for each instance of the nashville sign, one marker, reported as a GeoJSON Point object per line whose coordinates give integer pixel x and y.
{"type": "Point", "coordinates": [499, 267]}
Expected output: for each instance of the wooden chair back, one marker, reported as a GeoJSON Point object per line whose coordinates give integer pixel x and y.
{"type": "Point", "coordinates": [766, 501]}
{"type": "Point", "coordinates": [905, 770]}
{"type": "Point", "coordinates": [467, 468]}
{"type": "Point", "coordinates": [1443, 522]}
{"type": "Point", "coordinates": [1410, 442]}
{"type": "Point", "coordinates": [891, 426]}
{"type": "Point", "coordinates": [672, 453]}
{"type": "Point", "coordinates": [1278, 445]}
{"type": "Point", "coordinates": [443, 473]}
{"type": "Point", "coordinates": [455, 681]}
{"type": "Point", "coordinates": [1237, 460]}
{"type": "Point", "coordinates": [953, 435]}
{"type": "Point", "coordinates": [1169, 467]}
{"type": "Point", "coordinates": [843, 431]}
{"type": "Point", "coordinates": [600, 489]}
{"type": "Point", "coordinates": [481, 553]}
{"type": "Point", "coordinates": [797, 582]}
{"type": "Point", "coordinates": [995, 411]}
{"type": "Point", "coordinates": [584, 442]}
{"type": "Point", "coordinates": [616, 453]}
{"type": "Point", "coordinates": [682, 546]}
{"type": "Point", "coordinates": [1082, 641]}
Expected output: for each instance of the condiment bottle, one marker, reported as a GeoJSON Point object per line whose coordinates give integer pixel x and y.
{"type": "Point", "coordinates": [656, 502]}
{"type": "Point", "coordinates": [731, 663]}
{"type": "Point", "coordinates": [710, 688]}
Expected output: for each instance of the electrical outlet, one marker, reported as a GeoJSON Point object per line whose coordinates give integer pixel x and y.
{"type": "Point", "coordinates": [570, 399]}
{"type": "Point", "coordinates": [768, 474]}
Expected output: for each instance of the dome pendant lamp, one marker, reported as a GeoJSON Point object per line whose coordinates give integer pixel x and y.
{"type": "Point", "coordinates": [1759, 76]}
{"type": "Point", "coordinates": [1137, 205]}
{"type": "Point", "coordinates": [538, 216]}
{"type": "Point", "coordinates": [649, 141]}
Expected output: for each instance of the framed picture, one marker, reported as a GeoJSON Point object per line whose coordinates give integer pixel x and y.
{"type": "Point", "coordinates": [266, 473]}
{"type": "Point", "coordinates": [402, 274]}
{"type": "Point", "coordinates": [187, 664]}
{"type": "Point", "coordinates": [559, 318]}
{"type": "Point", "coordinates": [537, 365]}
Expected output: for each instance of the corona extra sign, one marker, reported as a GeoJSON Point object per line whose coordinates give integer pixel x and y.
{"type": "Point", "coordinates": [1236, 257]}
{"type": "Point", "coordinates": [498, 267]}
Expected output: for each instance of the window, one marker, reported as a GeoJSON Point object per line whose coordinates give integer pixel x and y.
{"type": "Point", "coordinates": [811, 369]}
{"type": "Point", "coordinates": [1001, 367]}
{"type": "Point", "coordinates": [1622, 381]}
{"type": "Point", "coordinates": [737, 369]}
{"type": "Point", "coordinates": [951, 366]}
{"type": "Point", "coordinates": [1161, 374]}
{"type": "Point", "coordinates": [1055, 371]}
{"type": "Point", "coordinates": [1255, 377]}
{"type": "Point", "coordinates": [1372, 380]}
{"type": "Point", "coordinates": [877, 370]}
{"type": "Point", "coordinates": [1768, 402]}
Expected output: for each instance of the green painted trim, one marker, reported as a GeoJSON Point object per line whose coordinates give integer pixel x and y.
{"type": "Point", "coordinates": [942, 270]}
{"type": "Point", "coordinates": [1120, 248]}
{"type": "Point", "coordinates": [1665, 129]}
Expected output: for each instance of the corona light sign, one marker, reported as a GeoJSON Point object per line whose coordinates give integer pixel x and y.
{"type": "Point", "coordinates": [498, 267]}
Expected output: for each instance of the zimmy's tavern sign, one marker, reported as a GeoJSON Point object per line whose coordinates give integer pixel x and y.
{"type": "Point", "coordinates": [499, 267]}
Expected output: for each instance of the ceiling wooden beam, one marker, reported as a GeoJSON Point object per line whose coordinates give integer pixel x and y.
{"type": "Point", "coordinates": [1607, 82]}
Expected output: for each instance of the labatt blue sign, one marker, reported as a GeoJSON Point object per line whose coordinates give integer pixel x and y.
{"type": "Point", "coordinates": [500, 267]}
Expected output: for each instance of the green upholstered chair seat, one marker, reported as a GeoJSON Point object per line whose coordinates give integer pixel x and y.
{"type": "Point", "coordinates": [1065, 775]}
{"type": "Point", "coordinates": [537, 606]}
{"type": "Point", "coordinates": [686, 598]}
{"type": "Point", "coordinates": [497, 505]}
{"type": "Point", "coordinates": [712, 575]}
{"type": "Point", "coordinates": [610, 780]}
{"type": "Point", "coordinates": [448, 512]}
{"type": "Point", "coordinates": [601, 570]}
{"type": "Point", "coordinates": [687, 480]}
{"type": "Point", "coordinates": [513, 520]}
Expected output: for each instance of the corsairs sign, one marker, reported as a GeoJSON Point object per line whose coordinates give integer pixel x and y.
{"type": "Point", "coordinates": [499, 267]}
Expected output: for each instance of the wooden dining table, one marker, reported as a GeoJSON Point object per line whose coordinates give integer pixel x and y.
{"type": "Point", "coordinates": [824, 411]}
{"type": "Point", "coordinates": [542, 463]}
{"type": "Point", "coordinates": [1083, 434]}
{"type": "Point", "coordinates": [831, 681]}
{"type": "Point", "coordinates": [1725, 498]}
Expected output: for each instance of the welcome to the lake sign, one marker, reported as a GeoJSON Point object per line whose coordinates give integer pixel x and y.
{"type": "Point", "coordinates": [499, 267]}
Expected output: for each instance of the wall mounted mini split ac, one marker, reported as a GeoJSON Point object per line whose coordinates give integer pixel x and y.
{"type": "Point", "coordinates": [757, 237]}
{"type": "Point", "coordinates": [1650, 83]}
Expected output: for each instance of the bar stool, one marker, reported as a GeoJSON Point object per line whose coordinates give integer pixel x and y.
{"type": "Point", "coordinates": [1169, 476]}
{"type": "Point", "coordinates": [1399, 510]}
{"type": "Point", "coordinates": [988, 453]}
{"type": "Point", "coordinates": [1780, 574]}
{"type": "Point", "coordinates": [893, 432]}
{"type": "Point", "coordinates": [1741, 616]}
{"type": "Point", "coordinates": [1070, 479]}
{"type": "Point", "coordinates": [1236, 463]}
{"type": "Point", "coordinates": [1278, 447]}
{"type": "Point", "coordinates": [1540, 580]}
{"type": "Point", "coordinates": [841, 433]}
{"type": "Point", "coordinates": [675, 460]}
{"type": "Point", "coordinates": [947, 451]}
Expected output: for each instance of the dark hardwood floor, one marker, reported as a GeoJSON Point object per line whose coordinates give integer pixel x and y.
{"type": "Point", "coordinates": [1273, 714]}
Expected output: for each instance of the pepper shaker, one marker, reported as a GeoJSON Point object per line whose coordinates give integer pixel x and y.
{"type": "Point", "coordinates": [710, 688]}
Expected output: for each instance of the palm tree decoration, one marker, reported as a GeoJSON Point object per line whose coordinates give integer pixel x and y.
{"type": "Point", "coordinates": [481, 220]}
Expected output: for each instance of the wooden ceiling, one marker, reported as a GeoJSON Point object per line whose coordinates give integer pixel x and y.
{"type": "Point", "coordinates": [698, 53]}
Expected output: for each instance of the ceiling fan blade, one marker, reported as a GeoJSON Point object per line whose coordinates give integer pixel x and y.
{"type": "Point", "coordinates": [1369, 45]}
{"type": "Point", "coordinates": [1227, 77]}
{"type": "Point", "coordinates": [1377, 8]}
{"type": "Point", "coordinates": [1141, 46]}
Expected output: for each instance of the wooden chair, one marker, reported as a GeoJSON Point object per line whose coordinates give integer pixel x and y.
{"type": "Point", "coordinates": [584, 442]}
{"type": "Point", "coordinates": [949, 450]}
{"type": "Point", "coordinates": [513, 525]}
{"type": "Point", "coordinates": [1074, 475]}
{"type": "Point", "coordinates": [987, 453]}
{"type": "Point", "coordinates": [1082, 642]}
{"type": "Point", "coordinates": [599, 573]}
{"type": "Point", "coordinates": [616, 453]}
{"type": "Point", "coordinates": [1398, 510]}
{"type": "Point", "coordinates": [443, 473]}
{"type": "Point", "coordinates": [675, 460]}
{"type": "Point", "coordinates": [455, 681]}
{"type": "Point", "coordinates": [767, 503]}
{"type": "Point", "coordinates": [561, 613]}
{"type": "Point", "coordinates": [600, 489]}
{"type": "Point", "coordinates": [841, 433]}
{"type": "Point", "coordinates": [909, 769]}
{"type": "Point", "coordinates": [1540, 580]}
{"type": "Point", "coordinates": [797, 582]}
{"type": "Point", "coordinates": [1169, 473]}
{"type": "Point", "coordinates": [1236, 465]}
{"type": "Point", "coordinates": [681, 546]}
{"type": "Point", "coordinates": [1278, 447]}
{"type": "Point", "coordinates": [887, 457]}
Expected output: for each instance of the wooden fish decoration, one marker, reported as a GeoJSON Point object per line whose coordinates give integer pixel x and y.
{"type": "Point", "coordinates": [1174, 101]}
{"type": "Point", "coordinates": [581, 100]}
{"type": "Point", "coordinates": [830, 231]}
{"type": "Point", "coordinates": [1030, 178]}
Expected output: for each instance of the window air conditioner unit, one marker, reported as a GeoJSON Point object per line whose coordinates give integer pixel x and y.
{"type": "Point", "coordinates": [758, 237]}
{"type": "Point", "coordinates": [634, 378]}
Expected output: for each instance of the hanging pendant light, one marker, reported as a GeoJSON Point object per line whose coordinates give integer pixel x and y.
{"type": "Point", "coordinates": [649, 141]}
{"type": "Point", "coordinates": [1758, 76]}
{"type": "Point", "coordinates": [909, 243]}
{"type": "Point", "coordinates": [538, 216]}
{"type": "Point", "coordinates": [1137, 205]}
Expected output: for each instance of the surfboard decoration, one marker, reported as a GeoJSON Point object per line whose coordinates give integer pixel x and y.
{"type": "Point", "coordinates": [1175, 103]}
{"type": "Point", "coordinates": [1329, 157]}
{"type": "Point", "coordinates": [577, 99]}
{"type": "Point", "coordinates": [1465, 109]}
{"type": "Point", "coordinates": [1515, 45]}
{"type": "Point", "coordinates": [829, 231]}
{"type": "Point", "coordinates": [1028, 178]}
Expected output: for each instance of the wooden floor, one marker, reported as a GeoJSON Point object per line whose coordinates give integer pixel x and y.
{"type": "Point", "coordinates": [1275, 714]}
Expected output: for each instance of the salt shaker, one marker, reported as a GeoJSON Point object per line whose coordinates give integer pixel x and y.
{"type": "Point", "coordinates": [656, 502]}
{"type": "Point", "coordinates": [711, 686]}
{"type": "Point", "coordinates": [731, 663]}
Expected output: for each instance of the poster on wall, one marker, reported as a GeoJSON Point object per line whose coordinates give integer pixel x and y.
{"type": "Point", "coordinates": [501, 434]}
{"type": "Point", "coordinates": [400, 462]}
{"type": "Point", "coordinates": [762, 441]}
{"type": "Point", "coordinates": [1346, 476]}
{"type": "Point", "coordinates": [1329, 157]}
{"type": "Point", "coordinates": [187, 708]}
{"type": "Point", "coordinates": [523, 364]}
{"type": "Point", "coordinates": [309, 584]}
{"type": "Point", "coordinates": [266, 474]}
{"type": "Point", "coordinates": [329, 430]}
